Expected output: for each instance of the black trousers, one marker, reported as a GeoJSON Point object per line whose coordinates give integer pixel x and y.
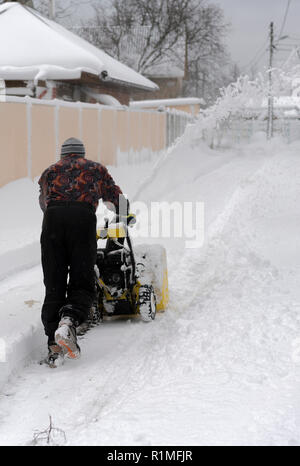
{"type": "Point", "coordinates": [69, 248]}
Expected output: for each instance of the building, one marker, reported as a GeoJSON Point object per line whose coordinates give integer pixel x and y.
{"type": "Point", "coordinates": [42, 59]}
{"type": "Point", "coordinates": [169, 80]}
{"type": "Point", "coordinates": [189, 105]}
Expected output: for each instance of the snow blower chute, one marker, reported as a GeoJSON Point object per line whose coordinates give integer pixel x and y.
{"type": "Point", "coordinates": [129, 282]}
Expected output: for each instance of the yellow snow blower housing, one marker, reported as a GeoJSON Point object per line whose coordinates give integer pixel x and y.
{"type": "Point", "coordinates": [116, 230]}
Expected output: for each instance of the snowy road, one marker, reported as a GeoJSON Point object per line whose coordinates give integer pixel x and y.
{"type": "Point", "coordinates": [222, 365]}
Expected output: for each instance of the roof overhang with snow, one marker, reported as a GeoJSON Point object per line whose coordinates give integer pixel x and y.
{"type": "Point", "coordinates": [33, 47]}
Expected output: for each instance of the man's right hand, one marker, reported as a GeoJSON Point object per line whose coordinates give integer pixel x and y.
{"type": "Point", "coordinates": [129, 219]}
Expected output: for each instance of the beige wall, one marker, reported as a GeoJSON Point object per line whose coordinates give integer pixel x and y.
{"type": "Point", "coordinates": [134, 131]}
{"type": "Point", "coordinates": [162, 132]}
{"type": "Point", "coordinates": [14, 142]}
{"type": "Point", "coordinates": [108, 137]}
{"type": "Point", "coordinates": [31, 134]}
{"type": "Point", "coordinates": [122, 130]}
{"type": "Point", "coordinates": [43, 147]}
{"type": "Point", "coordinates": [69, 124]}
{"type": "Point", "coordinates": [90, 133]}
{"type": "Point", "coordinates": [193, 109]}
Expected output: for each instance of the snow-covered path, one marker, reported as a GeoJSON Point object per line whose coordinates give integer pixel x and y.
{"type": "Point", "coordinates": [222, 365]}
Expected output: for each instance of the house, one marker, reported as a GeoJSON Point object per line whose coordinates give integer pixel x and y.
{"type": "Point", "coordinates": [169, 80]}
{"type": "Point", "coordinates": [42, 59]}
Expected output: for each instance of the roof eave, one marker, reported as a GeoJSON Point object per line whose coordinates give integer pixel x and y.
{"type": "Point", "coordinates": [109, 79]}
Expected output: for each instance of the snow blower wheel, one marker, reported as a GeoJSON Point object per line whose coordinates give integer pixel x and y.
{"type": "Point", "coordinates": [147, 303]}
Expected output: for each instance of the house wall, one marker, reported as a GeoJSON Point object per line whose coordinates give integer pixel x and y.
{"type": "Point", "coordinates": [72, 91]}
{"type": "Point", "coordinates": [32, 131]}
{"type": "Point", "coordinates": [169, 88]}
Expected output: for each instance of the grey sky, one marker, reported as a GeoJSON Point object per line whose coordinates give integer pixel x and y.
{"type": "Point", "coordinates": [250, 21]}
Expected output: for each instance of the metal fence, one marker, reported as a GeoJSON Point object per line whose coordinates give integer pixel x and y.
{"type": "Point", "coordinates": [176, 125]}
{"type": "Point", "coordinates": [241, 130]}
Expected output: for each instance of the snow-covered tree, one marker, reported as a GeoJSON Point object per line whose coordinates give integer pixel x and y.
{"type": "Point", "coordinates": [149, 33]}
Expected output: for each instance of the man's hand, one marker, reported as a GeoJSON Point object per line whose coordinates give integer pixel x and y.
{"type": "Point", "coordinates": [129, 219]}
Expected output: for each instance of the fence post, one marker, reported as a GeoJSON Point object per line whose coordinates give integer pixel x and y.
{"type": "Point", "coordinates": [99, 134]}
{"type": "Point", "coordinates": [80, 123]}
{"type": "Point", "coordinates": [56, 126]}
{"type": "Point", "coordinates": [29, 138]}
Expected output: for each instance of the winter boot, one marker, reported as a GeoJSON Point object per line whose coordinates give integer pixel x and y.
{"type": "Point", "coordinates": [65, 337]}
{"type": "Point", "coordinates": [55, 356]}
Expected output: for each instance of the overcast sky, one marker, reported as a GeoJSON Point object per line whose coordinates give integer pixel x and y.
{"type": "Point", "coordinates": [250, 21]}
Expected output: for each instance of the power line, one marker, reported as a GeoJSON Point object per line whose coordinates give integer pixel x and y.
{"type": "Point", "coordinates": [258, 55]}
{"type": "Point", "coordinates": [285, 17]}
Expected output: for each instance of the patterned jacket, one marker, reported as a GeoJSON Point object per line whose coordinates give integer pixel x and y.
{"type": "Point", "coordinates": [74, 178]}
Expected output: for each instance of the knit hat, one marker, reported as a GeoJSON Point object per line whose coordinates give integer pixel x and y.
{"type": "Point", "coordinates": [72, 146]}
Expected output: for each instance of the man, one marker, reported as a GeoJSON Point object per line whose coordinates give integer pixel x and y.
{"type": "Point", "coordinates": [69, 193]}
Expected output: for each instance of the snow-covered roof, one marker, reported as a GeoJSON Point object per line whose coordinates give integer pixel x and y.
{"type": "Point", "coordinates": [167, 102]}
{"type": "Point", "coordinates": [34, 47]}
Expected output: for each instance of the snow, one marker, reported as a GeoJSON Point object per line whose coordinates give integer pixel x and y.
{"type": "Point", "coordinates": [104, 99]}
{"type": "Point", "coordinates": [42, 49]}
{"type": "Point", "coordinates": [221, 366]}
{"type": "Point", "coordinates": [167, 102]}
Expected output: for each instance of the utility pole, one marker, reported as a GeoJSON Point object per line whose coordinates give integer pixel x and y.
{"type": "Point", "coordinates": [270, 93]}
{"type": "Point", "coordinates": [186, 54]}
{"type": "Point", "coordinates": [52, 9]}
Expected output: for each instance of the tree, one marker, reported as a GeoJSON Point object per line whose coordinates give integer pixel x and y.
{"type": "Point", "coordinates": [147, 33]}
{"type": "Point", "coordinates": [62, 11]}
{"type": "Point", "coordinates": [138, 32]}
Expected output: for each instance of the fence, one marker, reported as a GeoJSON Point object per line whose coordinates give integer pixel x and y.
{"type": "Point", "coordinates": [235, 131]}
{"type": "Point", "coordinates": [176, 124]}
{"type": "Point", "coordinates": [32, 131]}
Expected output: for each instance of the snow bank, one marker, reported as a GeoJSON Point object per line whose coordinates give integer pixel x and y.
{"type": "Point", "coordinates": [20, 226]}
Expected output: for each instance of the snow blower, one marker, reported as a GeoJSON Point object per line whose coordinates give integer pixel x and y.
{"type": "Point", "coordinates": [129, 282]}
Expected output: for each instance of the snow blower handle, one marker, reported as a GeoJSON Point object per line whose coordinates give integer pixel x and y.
{"type": "Point", "coordinates": [129, 219]}
{"type": "Point", "coordinates": [102, 232]}
{"type": "Point", "coordinates": [117, 228]}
